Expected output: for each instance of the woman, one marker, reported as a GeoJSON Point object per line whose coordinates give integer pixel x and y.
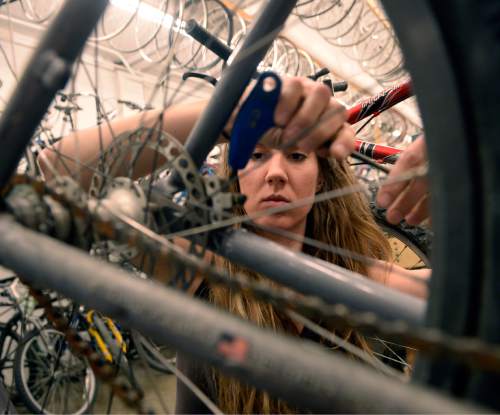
{"type": "Point", "coordinates": [277, 178]}
{"type": "Point", "coordinates": [273, 178]}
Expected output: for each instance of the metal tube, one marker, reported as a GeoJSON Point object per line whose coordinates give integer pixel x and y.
{"type": "Point", "coordinates": [47, 72]}
{"type": "Point", "coordinates": [300, 372]}
{"type": "Point", "coordinates": [208, 40]}
{"type": "Point", "coordinates": [313, 276]}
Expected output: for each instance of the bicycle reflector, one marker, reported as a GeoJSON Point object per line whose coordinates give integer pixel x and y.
{"type": "Point", "coordinates": [255, 117]}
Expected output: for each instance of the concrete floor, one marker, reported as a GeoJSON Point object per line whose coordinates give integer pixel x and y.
{"type": "Point", "coordinates": [159, 392]}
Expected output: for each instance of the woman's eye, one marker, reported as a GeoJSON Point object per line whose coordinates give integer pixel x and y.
{"type": "Point", "coordinates": [257, 155]}
{"type": "Point", "coordinates": [297, 156]}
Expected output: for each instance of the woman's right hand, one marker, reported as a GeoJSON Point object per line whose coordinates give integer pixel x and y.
{"type": "Point", "coordinates": [305, 103]}
{"type": "Point", "coordinates": [407, 200]}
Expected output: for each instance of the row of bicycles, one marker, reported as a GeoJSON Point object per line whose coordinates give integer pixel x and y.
{"type": "Point", "coordinates": [41, 370]}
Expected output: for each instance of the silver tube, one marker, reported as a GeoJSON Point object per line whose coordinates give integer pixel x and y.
{"type": "Point", "coordinates": [313, 276]}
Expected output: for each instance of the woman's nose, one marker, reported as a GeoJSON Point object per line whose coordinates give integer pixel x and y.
{"type": "Point", "coordinates": [276, 169]}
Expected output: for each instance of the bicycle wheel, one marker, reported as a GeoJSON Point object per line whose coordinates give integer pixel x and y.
{"type": "Point", "coordinates": [9, 341]}
{"type": "Point", "coordinates": [49, 378]}
{"type": "Point", "coordinates": [411, 245]}
{"type": "Point", "coordinates": [461, 88]}
{"type": "Point", "coordinates": [460, 70]}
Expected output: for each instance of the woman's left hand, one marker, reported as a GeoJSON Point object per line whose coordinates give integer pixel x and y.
{"type": "Point", "coordinates": [305, 104]}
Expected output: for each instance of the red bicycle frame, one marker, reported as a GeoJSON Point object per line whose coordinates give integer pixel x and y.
{"type": "Point", "coordinates": [373, 106]}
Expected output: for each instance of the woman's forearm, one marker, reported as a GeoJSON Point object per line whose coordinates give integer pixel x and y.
{"type": "Point", "coordinates": [78, 153]}
{"type": "Point", "coordinates": [413, 282]}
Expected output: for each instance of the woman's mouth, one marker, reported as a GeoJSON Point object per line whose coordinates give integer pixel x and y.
{"type": "Point", "coordinates": [275, 200]}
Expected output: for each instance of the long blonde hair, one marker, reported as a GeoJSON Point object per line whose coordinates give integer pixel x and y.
{"type": "Point", "coordinates": [342, 222]}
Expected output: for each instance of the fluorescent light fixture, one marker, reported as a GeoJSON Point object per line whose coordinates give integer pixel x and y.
{"type": "Point", "coordinates": [147, 12]}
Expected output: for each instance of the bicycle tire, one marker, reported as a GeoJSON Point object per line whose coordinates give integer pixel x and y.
{"type": "Point", "coordinates": [464, 91]}
{"type": "Point", "coordinates": [24, 378]}
{"type": "Point", "coordinates": [8, 346]}
{"type": "Point", "coordinates": [417, 238]}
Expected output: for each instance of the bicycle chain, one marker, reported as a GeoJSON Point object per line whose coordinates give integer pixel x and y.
{"type": "Point", "coordinates": [106, 372]}
{"type": "Point", "coordinates": [471, 351]}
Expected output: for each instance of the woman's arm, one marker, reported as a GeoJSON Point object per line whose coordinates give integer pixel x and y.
{"type": "Point", "coordinates": [302, 104]}
{"type": "Point", "coordinates": [413, 282]}
{"type": "Point", "coordinates": [79, 151]}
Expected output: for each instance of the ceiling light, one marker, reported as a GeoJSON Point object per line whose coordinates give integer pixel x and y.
{"type": "Point", "coordinates": [147, 12]}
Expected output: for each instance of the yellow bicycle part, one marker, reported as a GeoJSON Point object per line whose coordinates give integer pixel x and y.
{"type": "Point", "coordinates": [101, 344]}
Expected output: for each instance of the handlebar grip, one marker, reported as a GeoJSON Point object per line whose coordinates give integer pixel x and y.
{"type": "Point", "coordinates": [340, 86]}
{"type": "Point", "coordinates": [203, 36]}
{"type": "Point", "coordinates": [319, 74]}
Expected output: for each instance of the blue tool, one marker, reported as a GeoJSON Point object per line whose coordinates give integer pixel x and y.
{"type": "Point", "coordinates": [255, 117]}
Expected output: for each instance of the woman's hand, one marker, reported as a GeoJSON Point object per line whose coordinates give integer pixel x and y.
{"type": "Point", "coordinates": [306, 104]}
{"type": "Point", "coordinates": [408, 200]}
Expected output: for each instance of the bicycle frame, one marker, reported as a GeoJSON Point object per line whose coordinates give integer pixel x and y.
{"type": "Point", "coordinates": [304, 374]}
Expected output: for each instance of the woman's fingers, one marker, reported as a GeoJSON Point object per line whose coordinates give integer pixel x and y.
{"type": "Point", "coordinates": [419, 213]}
{"type": "Point", "coordinates": [407, 200]}
{"type": "Point", "coordinates": [401, 198]}
{"type": "Point", "coordinates": [307, 107]}
{"type": "Point", "coordinates": [343, 143]}
{"type": "Point", "coordinates": [292, 92]}
{"type": "Point", "coordinates": [316, 99]}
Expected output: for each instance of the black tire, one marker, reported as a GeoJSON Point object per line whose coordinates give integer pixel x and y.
{"type": "Point", "coordinates": [452, 50]}
{"type": "Point", "coordinates": [9, 341]}
{"type": "Point", "coordinates": [50, 355]}
{"type": "Point", "coordinates": [417, 238]}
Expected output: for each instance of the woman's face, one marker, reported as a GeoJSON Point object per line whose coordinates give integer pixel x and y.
{"type": "Point", "coordinates": [276, 178]}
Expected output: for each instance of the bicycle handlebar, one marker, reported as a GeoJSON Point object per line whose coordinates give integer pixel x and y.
{"type": "Point", "coordinates": [371, 106]}
{"type": "Point", "coordinates": [207, 39]}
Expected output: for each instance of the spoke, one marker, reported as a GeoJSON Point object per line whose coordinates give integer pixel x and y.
{"type": "Point", "coordinates": [398, 256]}
{"type": "Point", "coordinates": [39, 384]}
{"type": "Point", "coordinates": [54, 371]}
{"type": "Point", "coordinates": [42, 360]}
{"type": "Point", "coordinates": [418, 172]}
{"type": "Point", "coordinates": [65, 397]}
{"type": "Point", "coordinates": [149, 375]}
{"type": "Point", "coordinates": [390, 349]}
{"type": "Point", "coordinates": [185, 380]}
{"type": "Point", "coordinates": [47, 398]}
{"type": "Point", "coordinates": [394, 344]}
{"type": "Point", "coordinates": [418, 265]}
{"type": "Point", "coordinates": [344, 344]}
{"type": "Point", "coordinates": [393, 360]}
